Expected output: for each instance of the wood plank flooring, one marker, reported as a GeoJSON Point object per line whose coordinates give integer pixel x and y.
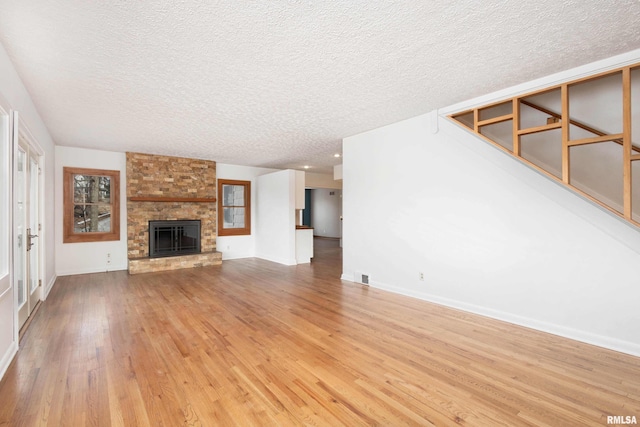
{"type": "Point", "coordinates": [255, 343]}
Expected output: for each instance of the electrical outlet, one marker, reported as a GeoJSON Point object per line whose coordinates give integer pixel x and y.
{"type": "Point", "coordinates": [421, 275]}
{"type": "Point", "coordinates": [109, 258]}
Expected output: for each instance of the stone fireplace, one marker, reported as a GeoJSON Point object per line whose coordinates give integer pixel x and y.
{"type": "Point", "coordinates": [161, 188]}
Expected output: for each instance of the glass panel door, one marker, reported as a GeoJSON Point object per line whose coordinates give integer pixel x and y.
{"type": "Point", "coordinates": [27, 248]}
{"type": "Point", "coordinates": [20, 219]}
{"type": "Point", "coordinates": [32, 238]}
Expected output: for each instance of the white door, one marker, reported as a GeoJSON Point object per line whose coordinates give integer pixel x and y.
{"type": "Point", "coordinates": [26, 223]}
{"type": "Point", "coordinates": [6, 294]}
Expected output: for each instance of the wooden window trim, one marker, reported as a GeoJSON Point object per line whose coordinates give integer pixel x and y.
{"type": "Point", "coordinates": [69, 235]}
{"type": "Point", "coordinates": [247, 205]}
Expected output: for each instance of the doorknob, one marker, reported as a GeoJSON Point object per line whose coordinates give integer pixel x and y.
{"type": "Point", "coordinates": [29, 237]}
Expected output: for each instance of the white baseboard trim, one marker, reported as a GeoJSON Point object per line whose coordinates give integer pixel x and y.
{"type": "Point", "coordinates": [559, 330]}
{"type": "Point", "coordinates": [49, 287]}
{"type": "Point", "coordinates": [92, 270]}
{"type": "Point", "coordinates": [7, 358]}
{"type": "Point", "coordinates": [284, 261]}
{"type": "Point", "coordinates": [236, 256]}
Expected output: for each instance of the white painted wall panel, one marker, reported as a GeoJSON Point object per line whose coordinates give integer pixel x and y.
{"type": "Point", "coordinates": [300, 185]}
{"type": "Point", "coordinates": [233, 247]}
{"type": "Point", "coordinates": [490, 235]}
{"type": "Point", "coordinates": [320, 180]}
{"type": "Point", "coordinates": [275, 239]}
{"type": "Point", "coordinates": [326, 209]}
{"type": "Point", "coordinates": [91, 257]}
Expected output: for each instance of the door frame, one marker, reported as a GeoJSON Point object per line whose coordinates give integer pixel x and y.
{"type": "Point", "coordinates": [33, 149]}
{"type": "Point", "coordinates": [6, 222]}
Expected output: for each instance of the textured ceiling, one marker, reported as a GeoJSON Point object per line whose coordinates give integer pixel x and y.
{"type": "Point", "coordinates": [280, 83]}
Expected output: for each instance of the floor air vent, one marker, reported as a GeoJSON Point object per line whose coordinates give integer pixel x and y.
{"type": "Point", "coordinates": [361, 278]}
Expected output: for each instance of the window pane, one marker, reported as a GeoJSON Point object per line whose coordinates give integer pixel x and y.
{"type": "Point", "coordinates": [233, 195]}
{"type": "Point", "coordinates": [91, 189]}
{"type": "Point", "coordinates": [233, 218]}
{"type": "Point", "coordinates": [104, 194]}
{"type": "Point", "coordinates": [81, 189]}
{"type": "Point", "coordinates": [20, 219]}
{"type": "Point", "coordinates": [91, 218]}
{"type": "Point", "coordinates": [91, 205]}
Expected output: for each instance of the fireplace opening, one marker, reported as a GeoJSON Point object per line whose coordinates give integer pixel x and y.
{"type": "Point", "coordinates": [171, 238]}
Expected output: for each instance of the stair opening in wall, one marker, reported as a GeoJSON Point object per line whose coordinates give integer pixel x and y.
{"type": "Point", "coordinates": [172, 238]}
{"type": "Point", "coordinates": [581, 133]}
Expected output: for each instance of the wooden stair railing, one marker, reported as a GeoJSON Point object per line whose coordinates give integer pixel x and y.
{"type": "Point", "coordinates": [473, 121]}
{"type": "Point", "coordinates": [576, 123]}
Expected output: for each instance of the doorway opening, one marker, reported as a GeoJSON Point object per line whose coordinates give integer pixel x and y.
{"type": "Point", "coordinates": [323, 213]}
{"type": "Point", "coordinates": [27, 230]}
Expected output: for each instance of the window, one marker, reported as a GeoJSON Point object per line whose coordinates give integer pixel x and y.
{"type": "Point", "coordinates": [91, 205]}
{"type": "Point", "coordinates": [234, 207]}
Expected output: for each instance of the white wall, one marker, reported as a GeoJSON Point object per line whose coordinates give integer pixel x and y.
{"type": "Point", "coordinates": [320, 180]}
{"type": "Point", "coordinates": [337, 172]}
{"type": "Point", "coordinates": [91, 257]}
{"type": "Point", "coordinates": [326, 209]}
{"type": "Point", "coordinates": [275, 237]}
{"type": "Point", "coordinates": [241, 246]}
{"type": "Point", "coordinates": [15, 97]}
{"type": "Point", "coordinates": [490, 235]}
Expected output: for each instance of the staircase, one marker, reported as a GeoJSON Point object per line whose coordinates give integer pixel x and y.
{"type": "Point", "coordinates": [578, 133]}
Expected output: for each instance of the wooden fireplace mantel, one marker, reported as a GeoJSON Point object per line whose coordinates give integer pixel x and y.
{"type": "Point", "coordinates": [173, 199]}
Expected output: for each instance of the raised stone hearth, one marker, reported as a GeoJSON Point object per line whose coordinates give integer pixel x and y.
{"type": "Point", "coordinates": [163, 188]}
{"type": "Point", "coordinates": [148, 265]}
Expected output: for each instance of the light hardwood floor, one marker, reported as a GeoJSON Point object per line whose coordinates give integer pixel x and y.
{"type": "Point", "coordinates": [255, 343]}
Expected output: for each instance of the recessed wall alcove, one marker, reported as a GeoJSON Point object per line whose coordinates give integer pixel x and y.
{"type": "Point", "coordinates": [162, 188]}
